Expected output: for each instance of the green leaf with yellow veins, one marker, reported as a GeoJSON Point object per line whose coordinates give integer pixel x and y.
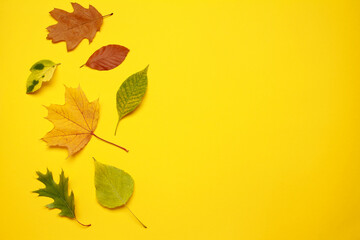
{"type": "Point", "coordinates": [41, 71]}
{"type": "Point", "coordinates": [59, 193]}
{"type": "Point", "coordinates": [114, 187]}
{"type": "Point", "coordinates": [131, 93]}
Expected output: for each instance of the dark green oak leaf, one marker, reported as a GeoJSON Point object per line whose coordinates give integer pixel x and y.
{"type": "Point", "coordinates": [59, 193]}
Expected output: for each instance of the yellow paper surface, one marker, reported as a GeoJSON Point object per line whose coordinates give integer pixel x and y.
{"type": "Point", "coordinates": [249, 128]}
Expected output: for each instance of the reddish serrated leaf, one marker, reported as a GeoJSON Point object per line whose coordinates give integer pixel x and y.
{"type": "Point", "coordinates": [107, 57]}
{"type": "Point", "coordinates": [74, 27]}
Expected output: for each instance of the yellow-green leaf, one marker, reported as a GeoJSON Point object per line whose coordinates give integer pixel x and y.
{"type": "Point", "coordinates": [41, 71]}
{"type": "Point", "coordinates": [113, 186]}
{"type": "Point", "coordinates": [131, 93]}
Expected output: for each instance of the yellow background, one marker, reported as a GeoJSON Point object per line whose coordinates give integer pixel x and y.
{"type": "Point", "coordinates": [249, 128]}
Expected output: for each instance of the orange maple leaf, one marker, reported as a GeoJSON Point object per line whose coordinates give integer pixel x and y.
{"type": "Point", "coordinates": [74, 122]}
{"type": "Point", "coordinates": [74, 27]}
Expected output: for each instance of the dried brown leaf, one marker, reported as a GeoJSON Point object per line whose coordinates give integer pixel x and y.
{"type": "Point", "coordinates": [74, 27]}
{"type": "Point", "coordinates": [107, 57]}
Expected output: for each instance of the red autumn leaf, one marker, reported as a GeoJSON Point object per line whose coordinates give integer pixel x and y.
{"type": "Point", "coordinates": [74, 27]}
{"type": "Point", "coordinates": [107, 57]}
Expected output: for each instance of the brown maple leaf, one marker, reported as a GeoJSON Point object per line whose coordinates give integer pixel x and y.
{"type": "Point", "coordinates": [74, 122]}
{"type": "Point", "coordinates": [74, 27]}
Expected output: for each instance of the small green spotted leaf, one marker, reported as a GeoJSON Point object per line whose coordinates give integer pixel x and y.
{"type": "Point", "coordinates": [41, 71]}
{"type": "Point", "coordinates": [113, 186]}
{"type": "Point", "coordinates": [59, 193]}
{"type": "Point", "coordinates": [131, 93]}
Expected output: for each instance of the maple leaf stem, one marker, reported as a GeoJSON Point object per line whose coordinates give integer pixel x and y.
{"type": "Point", "coordinates": [85, 225]}
{"type": "Point", "coordinates": [110, 142]}
{"type": "Point", "coordinates": [82, 65]}
{"type": "Point", "coordinates": [135, 216]}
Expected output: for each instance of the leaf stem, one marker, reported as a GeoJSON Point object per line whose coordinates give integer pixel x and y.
{"type": "Point", "coordinates": [82, 65]}
{"type": "Point", "coordinates": [116, 127]}
{"type": "Point", "coordinates": [108, 15]}
{"type": "Point", "coordinates": [85, 225]}
{"type": "Point", "coordinates": [110, 142]}
{"type": "Point", "coordinates": [135, 217]}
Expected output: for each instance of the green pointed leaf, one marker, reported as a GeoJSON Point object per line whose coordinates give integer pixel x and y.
{"type": "Point", "coordinates": [41, 71]}
{"type": "Point", "coordinates": [131, 93]}
{"type": "Point", "coordinates": [58, 192]}
{"type": "Point", "coordinates": [113, 186]}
